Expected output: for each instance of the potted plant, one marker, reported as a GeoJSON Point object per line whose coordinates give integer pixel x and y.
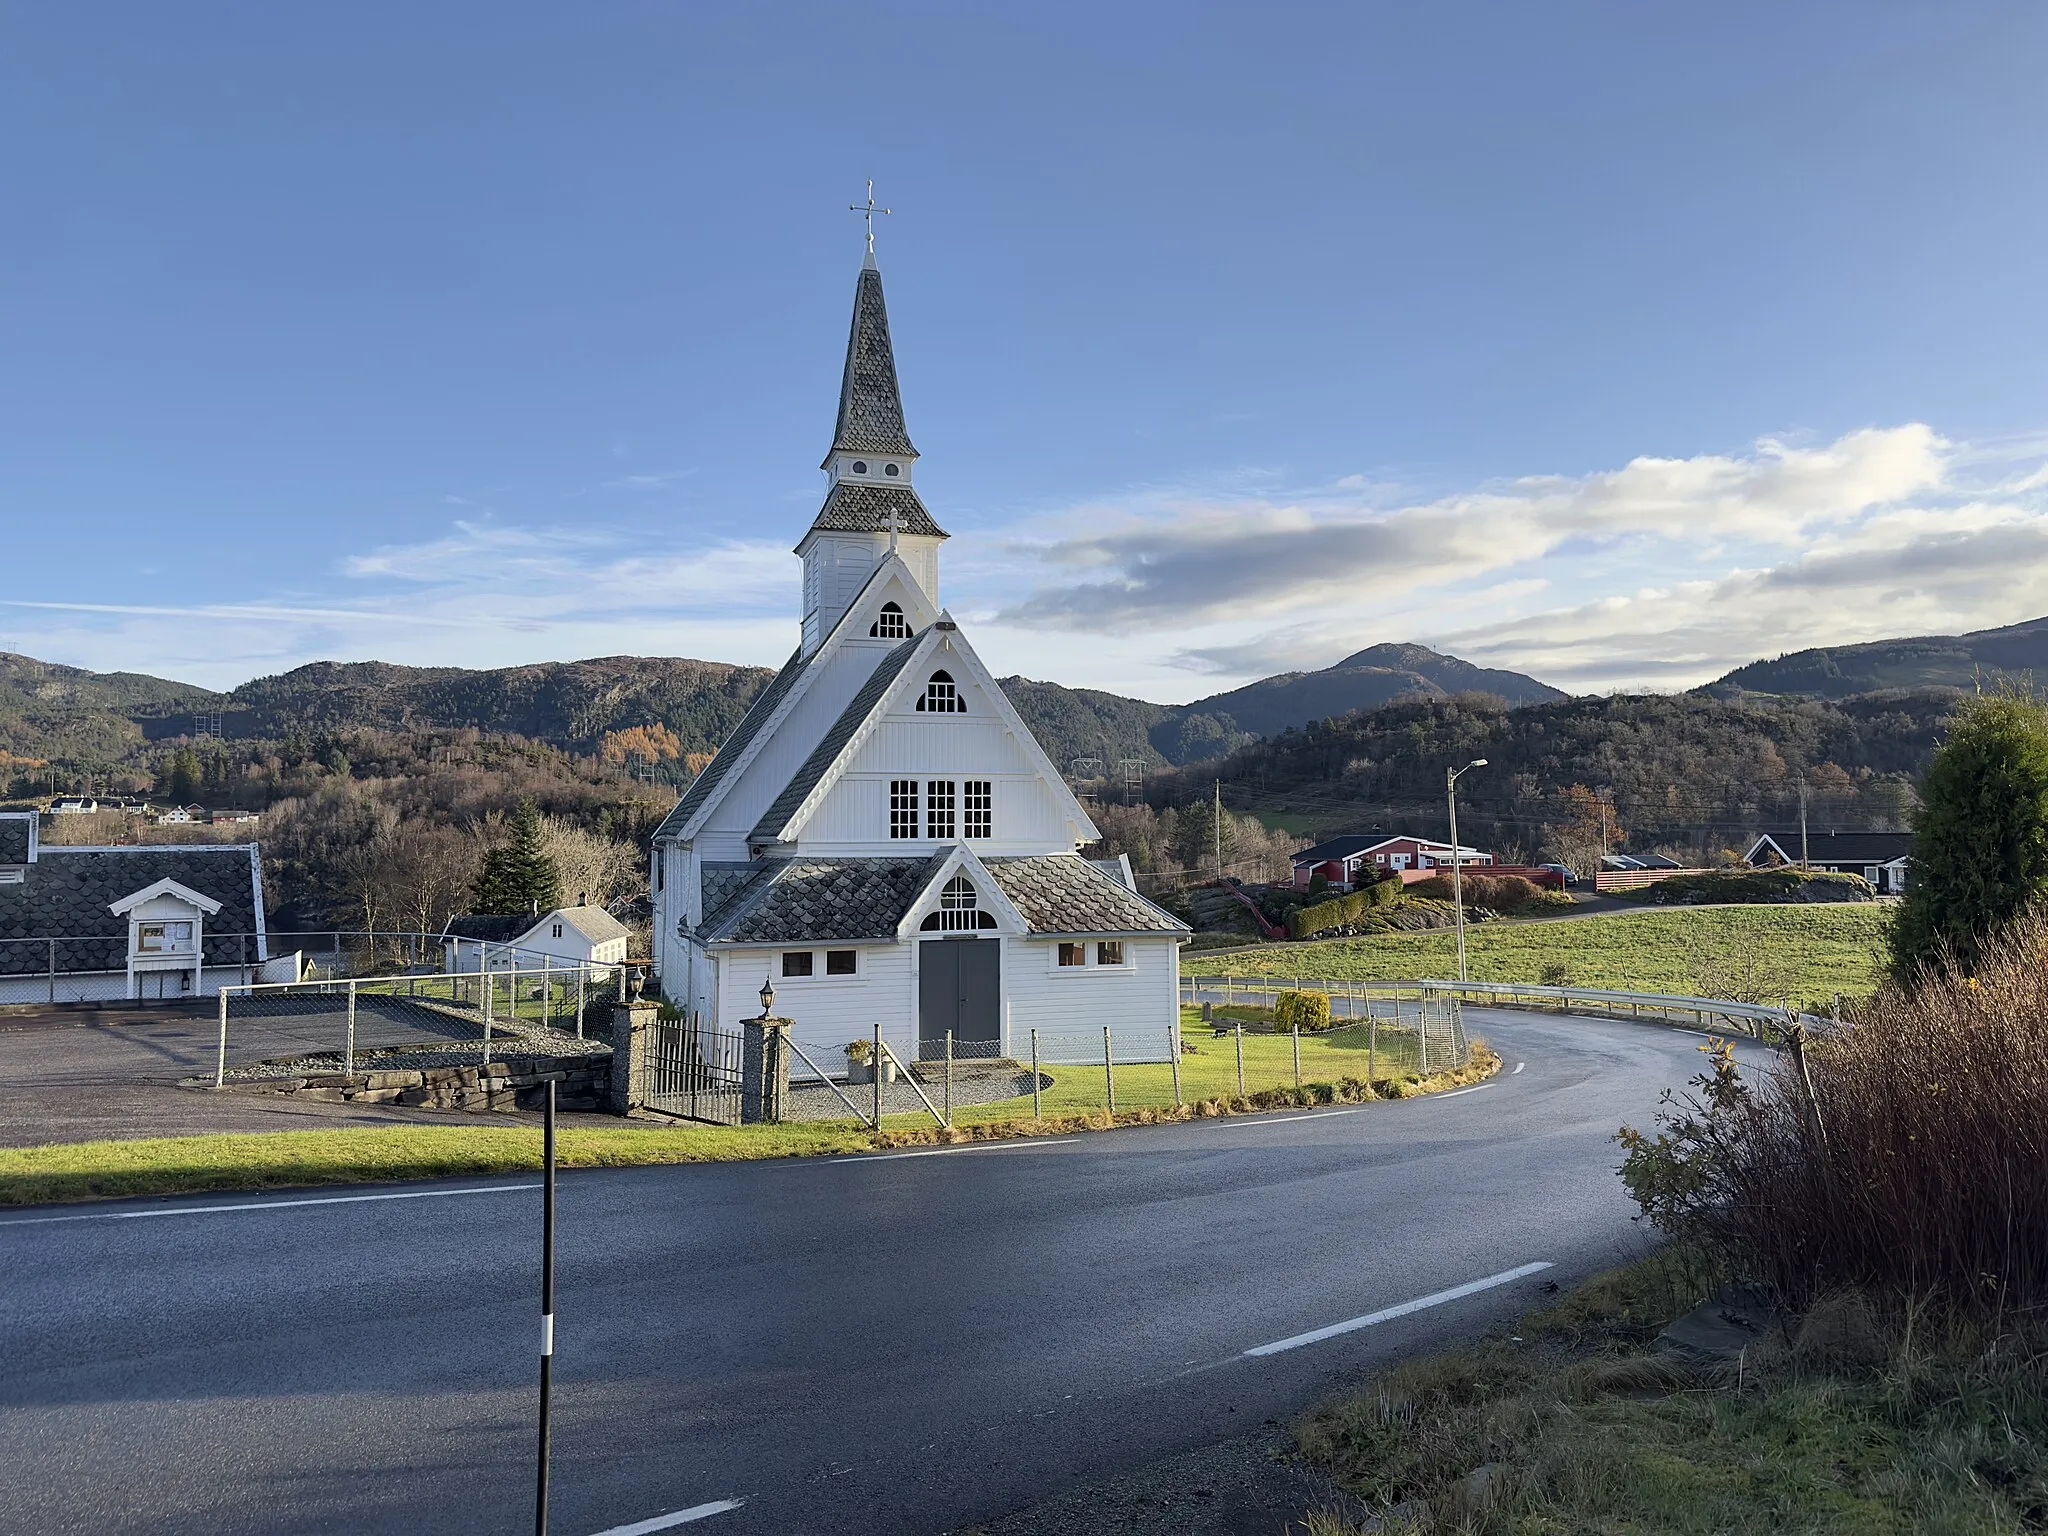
{"type": "Point", "coordinates": [859, 1068]}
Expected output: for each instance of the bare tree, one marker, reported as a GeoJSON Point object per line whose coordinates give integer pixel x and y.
{"type": "Point", "coordinates": [599, 869]}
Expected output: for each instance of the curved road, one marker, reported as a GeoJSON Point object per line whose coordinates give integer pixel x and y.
{"type": "Point", "coordinates": [895, 1343]}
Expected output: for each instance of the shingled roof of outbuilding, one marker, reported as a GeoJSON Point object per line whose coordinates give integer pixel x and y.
{"type": "Point", "coordinates": [67, 894]}
{"type": "Point", "coordinates": [821, 901]}
{"type": "Point", "coordinates": [1065, 894]}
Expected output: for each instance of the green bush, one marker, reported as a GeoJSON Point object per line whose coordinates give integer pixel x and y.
{"type": "Point", "coordinates": [1555, 973]}
{"type": "Point", "coordinates": [1763, 886]}
{"type": "Point", "coordinates": [1503, 893]}
{"type": "Point", "coordinates": [1305, 1011]}
{"type": "Point", "coordinates": [1343, 911]}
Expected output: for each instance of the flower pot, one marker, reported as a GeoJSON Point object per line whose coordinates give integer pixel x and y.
{"type": "Point", "coordinates": [858, 1072]}
{"type": "Point", "coordinates": [888, 1069]}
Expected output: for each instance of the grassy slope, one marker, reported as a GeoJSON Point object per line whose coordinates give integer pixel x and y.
{"type": "Point", "coordinates": [1849, 1429]}
{"type": "Point", "coordinates": [1829, 948]}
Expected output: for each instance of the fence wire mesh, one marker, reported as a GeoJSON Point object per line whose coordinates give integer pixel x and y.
{"type": "Point", "coordinates": [408, 1022]}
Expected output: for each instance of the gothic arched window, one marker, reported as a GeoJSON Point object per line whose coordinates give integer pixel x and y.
{"type": "Point", "coordinates": [959, 909]}
{"type": "Point", "coordinates": [941, 696]}
{"type": "Point", "coordinates": [890, 624]}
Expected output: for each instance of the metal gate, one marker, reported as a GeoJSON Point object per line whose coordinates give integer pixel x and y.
{"type": "Point", "coordinates": [693, 1071]}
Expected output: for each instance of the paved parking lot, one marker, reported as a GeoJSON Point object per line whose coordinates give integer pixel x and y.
{"type": "Point", "coordinates": [111, 1072]}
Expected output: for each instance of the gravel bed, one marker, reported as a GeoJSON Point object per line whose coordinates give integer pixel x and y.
{"type": "Point", "coordinates": [526, 1042]}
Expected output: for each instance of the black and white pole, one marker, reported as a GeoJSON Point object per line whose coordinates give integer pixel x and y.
{"type": "Point", "coordinates": [547, 1308]}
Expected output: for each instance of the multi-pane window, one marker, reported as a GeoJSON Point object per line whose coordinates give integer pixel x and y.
{"type": "Point", "coordinates": [1073, 954]}
{"type": "Point", "coordinates": [977, 808]}
{"type": "Point", "coordinates": [796, 962]}
{"type": "Point", "coordinates": [941, 696]}
{"type": "Point", "coordinates": [890, 624]}
{"type": "Point", "coordinates": [959, 909]}
{"type": "Point", "coordinates": [903, 807]}
{"type": "Point", "coordinates": [938, 808]}
{"type": "Point", "coordinates": [1109, 952]}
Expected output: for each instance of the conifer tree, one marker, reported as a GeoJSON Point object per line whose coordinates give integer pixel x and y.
{"type": "Point", "coordinates": [518, 876]}
{"type": "Point", "coordinates": [1980, 846]}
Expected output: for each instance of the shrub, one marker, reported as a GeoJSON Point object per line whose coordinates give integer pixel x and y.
{"type": "Point", "coordinates": [1980, 846]}
{"type": "Point", "coordinates": [1901, 1154]}
{"type": "Point", "coordinates": [1501, 893]}
{"type": "Point", "coordinates": [1555, 973]}
{"type": "Point", "coordinates": [1306, 1011]}
{"type": "Point", "coordinates": [1751, 886]}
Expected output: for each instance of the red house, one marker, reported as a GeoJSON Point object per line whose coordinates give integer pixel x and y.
{"type": "Point", "coordinates": [1342, 860]}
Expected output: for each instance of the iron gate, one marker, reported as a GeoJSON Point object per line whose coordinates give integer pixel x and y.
{"type": "Point", "coordinates": [693, 1071]}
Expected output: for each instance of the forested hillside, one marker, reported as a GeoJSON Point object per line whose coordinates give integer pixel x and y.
{"type": "Point", "coordinates": [1924, 661]}
{"type": "Point", "coordinates": [1689, 772]}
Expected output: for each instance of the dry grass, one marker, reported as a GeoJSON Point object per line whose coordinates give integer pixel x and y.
{"type": "Point", "coordinates": [1923, 1174]}
{"type": "Point", "coordinates": [1854, 1422]}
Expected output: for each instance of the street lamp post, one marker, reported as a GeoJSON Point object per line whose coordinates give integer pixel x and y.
{"type": "Point", "coordinates": [1458, 855]}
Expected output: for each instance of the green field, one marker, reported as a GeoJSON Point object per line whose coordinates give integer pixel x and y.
{"type": "Point", "coordinates": [1807, 951]}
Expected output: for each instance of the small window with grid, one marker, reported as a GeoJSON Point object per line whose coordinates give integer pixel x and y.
{"type": "Point", "coordinates": [942, 696]}
{"type": "Point", "coordinates": [903, 807]}
{"type": "Point", "coordinates": [939, 797]}
{"type": "Point", "coordinates": [890, 624]}
{"type": "Point", "coordinates": [977, 808]}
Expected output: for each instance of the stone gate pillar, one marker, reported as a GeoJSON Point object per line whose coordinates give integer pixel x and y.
{"type": "Point", "coordinates": [764, 1071]}
{"type": "Point", "coordinates": [630, 1023]}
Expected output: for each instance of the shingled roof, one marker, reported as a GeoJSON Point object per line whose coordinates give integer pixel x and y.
{"type": "Point", "coordinates": [17, 837]}
{"type": "Point", "coordinates": [806, 778]}
{"type": "Point", "coordinates": [870, 406]}
{"type": "Point", "coordinates": [1065, 894]}
{"type": "Point", "coordinates": [67, 893]}
{"type": "Point", "coordinates": [734, 746]}
{"type": "Point", "coordinates": [821, 901]}
{"type": "Point", "coordinates": [854, 508]}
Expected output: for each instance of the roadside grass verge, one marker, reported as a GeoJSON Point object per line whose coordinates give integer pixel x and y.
{"type": "Point", "coordinates": [1849, 1422]}
{"type": "Point", "coordinates": [192, 1165]}
{"type": "Point", "coordinates": [1817, 949]}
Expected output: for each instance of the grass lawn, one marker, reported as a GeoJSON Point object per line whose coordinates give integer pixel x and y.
{"type": "Point", "coordinates": [1846, 1428]}
{"type": "Point", "coordinates": [1821, 949]}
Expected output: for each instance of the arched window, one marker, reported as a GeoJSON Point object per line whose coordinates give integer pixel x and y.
{"type": "Point", "coordinates": [941, 697]}
{"type": "Point", "coordinates": [891, 469]}
{"type": "Point", "coordinates": [959, 909]}
{"type": "Point", "coordinates": [890, 625]}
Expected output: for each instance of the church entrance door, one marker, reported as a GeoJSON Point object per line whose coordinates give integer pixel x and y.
{"type": "Point", "coordinates": [959, 987]}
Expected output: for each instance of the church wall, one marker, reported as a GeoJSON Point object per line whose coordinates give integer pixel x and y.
{"type": "Point", "coordinates": [1139, 1001]}
{"type": "Point", "coordinates": [826, 1011]}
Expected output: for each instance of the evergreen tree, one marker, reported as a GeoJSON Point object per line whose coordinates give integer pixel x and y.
{"type": "Point", "coordinates": [182, 775]}
{"type": "Point", "coordinates": [1980, 849]}
{"type": "Point", "coordinates": [518, 876]}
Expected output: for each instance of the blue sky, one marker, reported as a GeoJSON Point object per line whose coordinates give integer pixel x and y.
{"type": "Point", "coordinates": [1620, 343]}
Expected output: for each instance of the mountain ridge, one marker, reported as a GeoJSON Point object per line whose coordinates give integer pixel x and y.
{"type": "Point", "coordinates": [2018, 651]}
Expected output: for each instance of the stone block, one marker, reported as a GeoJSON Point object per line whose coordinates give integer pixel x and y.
{"type": "Point", "coordinates": [327, 1095]}
{"type": "Point", "coordinates": [391, 1079]}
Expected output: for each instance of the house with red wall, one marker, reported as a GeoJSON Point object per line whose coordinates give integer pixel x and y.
{"type": "Point", "coordinates": [1344, 861]}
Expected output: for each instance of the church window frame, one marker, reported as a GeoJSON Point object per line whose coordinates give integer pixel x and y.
{"type": "Point", "coordinates": [1072, 955]}
{"type": "Point", "coordinates": [1109, 952]}
{"type": "Point", "coordinates": [890, 624]}
{"type": "Point", "coordinates": [842, 962]}
{"type": "Point", "coordinates": [798, 963]}
{"type": "Point", "coordinates": [941, 695]}
{"type": "Point", "coordinates": [904, 802]}
{"type": "Point", "coordinates": [960, 909]}
{"type": "Point", "coordinates": [860, 466]}
{"type": "Point", "coordinates": [941, 806]}
{"type": "Point", "coordinates": [978, 809]}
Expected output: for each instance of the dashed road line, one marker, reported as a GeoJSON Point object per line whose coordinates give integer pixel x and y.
{"type": "Point", "coordinates": [263, 1205]}
{"type": "Point", "coordinates": [678, 1517]}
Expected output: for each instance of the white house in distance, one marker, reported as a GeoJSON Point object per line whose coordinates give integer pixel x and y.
{"type": "Point", "coordinates": [882, 837]}
{"type": "Point", "coordinates": [579, 935]}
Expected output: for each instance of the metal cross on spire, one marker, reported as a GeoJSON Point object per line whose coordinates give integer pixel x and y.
{"type": "Point", "coordinates": [870, 210]}
{"type": "Point", "coordinates": [894, 523]}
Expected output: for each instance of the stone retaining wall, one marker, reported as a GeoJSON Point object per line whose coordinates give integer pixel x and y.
{"type": "Point", "coordinates": [582, 1082]}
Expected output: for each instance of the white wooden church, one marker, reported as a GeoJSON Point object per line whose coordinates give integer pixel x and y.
{"type": "Point", "coordinates": [882, 838]}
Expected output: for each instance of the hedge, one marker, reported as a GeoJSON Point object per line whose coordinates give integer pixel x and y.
{"type": "Point", "coordinates": [1305, 1011]}
{"type": "Point", "coordinates": [1343, 911]}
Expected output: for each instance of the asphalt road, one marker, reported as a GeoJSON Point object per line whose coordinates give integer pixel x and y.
{"type": "Point", "coordinates": [899, 1343]}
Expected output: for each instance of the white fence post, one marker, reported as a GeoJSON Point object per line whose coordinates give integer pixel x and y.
{"type": "Point", "coordinates": [348, 1054]}
{"type": "Point", "coordinates": [1037, 1110]}
{"type": "Point", "coordinates": [1109, 1068]}
{"type": "Point", "coordinates": [220, 1068]}
{"type": "Point", "coordinates": [1173, 1045]}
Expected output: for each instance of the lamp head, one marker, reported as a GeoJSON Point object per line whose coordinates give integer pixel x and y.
{"type": "Point", "coordinates": [767, 998]}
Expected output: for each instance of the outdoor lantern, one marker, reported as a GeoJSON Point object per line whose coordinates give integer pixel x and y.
{"type": "Point", "coordinates": [767, 998]}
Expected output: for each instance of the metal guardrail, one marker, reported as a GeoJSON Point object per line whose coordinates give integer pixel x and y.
{"type": "Point", "coordinates": [1761, 1021]}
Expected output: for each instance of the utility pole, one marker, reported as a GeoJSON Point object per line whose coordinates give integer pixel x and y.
{"type": "Point", "coordinates": [1458, 853]}
{"type": "Point", "coordinates": [1216, 827]}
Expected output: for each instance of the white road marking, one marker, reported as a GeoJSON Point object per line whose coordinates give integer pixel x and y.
{"type": "Point", "coordinates": [680, 1517]}
{"type": "Point", "coordinates": [1518, 1069]}
{"type": "Point", "coordinates": [985, 1146]}
{"type": "Point", "coordinates": [1239, 1122]}
{"type": "Point", "coordinates": [1421, 1303]}
{"type": "Point", "coordinates": [1456, 1092]}
{"type": "Point", "coordinates": [264, 1205]}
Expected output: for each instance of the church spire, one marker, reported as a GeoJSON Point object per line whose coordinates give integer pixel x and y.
{"type": "Point", "coordinates": [870, 405]}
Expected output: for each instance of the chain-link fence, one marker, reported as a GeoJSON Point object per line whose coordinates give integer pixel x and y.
{"type": "Point", "coordinates": [1049, 1074]}
{"type": "Point", "coordinates": [409, 1022]}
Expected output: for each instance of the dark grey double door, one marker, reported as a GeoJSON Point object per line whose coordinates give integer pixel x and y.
{"type": "Point", "coordinates": [959, 988]}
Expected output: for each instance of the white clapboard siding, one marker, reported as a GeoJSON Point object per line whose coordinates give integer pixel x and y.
{"type": "Point", "coordinates": [1140, 998]}
{"type": "Point", "coordinates": [826, 1011]}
